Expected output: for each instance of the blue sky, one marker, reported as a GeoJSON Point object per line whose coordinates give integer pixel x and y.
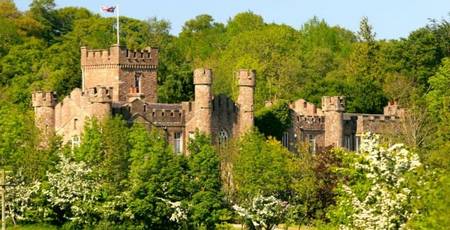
{"type": "Point", "coordinates": [391, 19]}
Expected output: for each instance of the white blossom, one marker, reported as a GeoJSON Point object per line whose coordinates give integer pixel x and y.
{"type": "Point", "coordinates": [385, 205]}
{"type": "Point", "coordinates": [265, 212]}
{"type": "Point", "coordinates": [179, 214]}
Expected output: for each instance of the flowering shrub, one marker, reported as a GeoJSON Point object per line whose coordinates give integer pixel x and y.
{"type": "Point", "coordinates": [378, 197]}
{"type": "Point", "coordinates": [20, 200]}
{"type": "Point", "coordinates": [179, 214]}
{"type": "Point", "coordinates": [72, 190]}
{"type": "Point", "coordinates": [265, 212]}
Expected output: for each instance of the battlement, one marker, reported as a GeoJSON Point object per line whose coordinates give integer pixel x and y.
{"type": "Point", "coordinates": [310, 122]}
{"type": "Point", "coordinates": [377, 117]}
{"type": "Point", "coordinates": [115, 55]}
{"type": "Point", "coordinates": [333, 103]}
{"type": "Point", "coordinates": [202, 76]}
{"type": "Point", "coordinates": [43, 99]}
{"type": "Point", "coordinates": [100, 94]}
{"type": "Point", "coordinates": [246, 77]}
{"type": "Point", "coordinates": [301, 106]}
{"type": "Point", "coordinates": [393, 109]}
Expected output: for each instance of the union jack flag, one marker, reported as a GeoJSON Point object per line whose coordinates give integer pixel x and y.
{"type": "Point", "coordinates": [108, 9]}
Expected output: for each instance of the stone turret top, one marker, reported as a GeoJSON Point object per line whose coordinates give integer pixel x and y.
{"type": "Point", "coordinates": [43, 99]}
{"type": "Point", "coordinates": [202, 76]}
{"type": "Point", "coordinates": [246, 77]}
{"type": "Point", "coordinates": [334, 103]}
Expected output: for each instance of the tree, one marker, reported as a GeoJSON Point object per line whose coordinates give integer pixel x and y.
{"type": "Point", "coordinates": [275, 120]}
{"type": "Point", "coordinates": [376, 193]}
{"type": "Point", "coordinates": [206, 199]}
{"type": "Point", "coordinates": [155, 176]}
{"type": "Point", "coordinates": [244, 22]}
{"type": "Point", "coordinates": [260, 168]}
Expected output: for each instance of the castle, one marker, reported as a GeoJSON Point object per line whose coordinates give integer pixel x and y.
{"type": "Point", "coordinates": [332, 126]}
{"type": "Point", "coordinates": [121, 81]}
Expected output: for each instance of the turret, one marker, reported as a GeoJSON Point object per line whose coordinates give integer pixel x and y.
{"type": "Point", "coordinates": [100, 97]}
{"type": "Point", "coordinates": [44, 111]}
{"type": "Point", "coordinates": [333, 108]}
{"type": "Point", "coordinates": [203, 99]}
{"type": "Point", "coordinates": [245, 100]}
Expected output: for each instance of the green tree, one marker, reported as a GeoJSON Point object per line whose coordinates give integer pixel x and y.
{"type": "Point", "coordinates": [206, 202]}
{"type": "Point", "coordinates": [260, 168]}
{"type": "Point", "coordinates": [155, 178]}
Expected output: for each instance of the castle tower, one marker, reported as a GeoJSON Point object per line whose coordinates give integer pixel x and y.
{"type": "Point", "coordinates": [100, 97]}
{"type": "Point", "coordinates": [124, 70]}
{"type": "Point", "coordinates": [44, 111]}
{"type": "Point", "coordinates": [203, 99]}
{"type": "Point", "coordinates": [333, 108]}
{"type": "Point", "coordinates": [245, 100]}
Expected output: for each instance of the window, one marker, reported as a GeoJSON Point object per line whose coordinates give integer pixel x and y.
{"type": "Point", "coordinates": [285, 139]}
{"type": "Point", "coordinates": [312, 143]}
{"type": "Point", "coordinates": [348, 144]}
{"type": "Point", "coordinates": [75, 141]}
{"type": "Point", "coordinates": [137, 82]}
{"type": "Point", "coordinates": [178, 142]}
{"type": "Point", "coordinates": [75, 123]}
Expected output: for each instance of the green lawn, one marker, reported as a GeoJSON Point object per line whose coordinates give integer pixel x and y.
{"type": "Point", "coordinates": [32, 227]}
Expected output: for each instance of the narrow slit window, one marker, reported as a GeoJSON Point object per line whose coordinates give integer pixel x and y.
{"type": "Point", "coordinates": [137, 83]}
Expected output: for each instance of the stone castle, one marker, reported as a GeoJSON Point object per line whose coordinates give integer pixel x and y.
{"type": "Point", "coordinates": [121, 81]}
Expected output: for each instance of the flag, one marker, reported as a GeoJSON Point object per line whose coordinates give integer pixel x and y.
{"type": "Point", "coordinates": [108, 9]}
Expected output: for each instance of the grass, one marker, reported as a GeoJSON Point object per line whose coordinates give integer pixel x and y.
{"type": "Point", "coordinates": [32, 227]}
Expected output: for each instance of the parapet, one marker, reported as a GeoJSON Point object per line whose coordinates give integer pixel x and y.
{"type": "Point", "coordinates": [333, 103]}
{"type": "Point", "coordinates": [310, 122]}
{"type": "Point", "coordinates": [202, 76]}
{"type": "Point", "coordinates": [43, 99]}
{"type": "Point", "coordinates": [393, 109]}
{"type": "Point", "coordinates": [100, 94]}
{"type": "Point", "coordinates": [246, 77]}
{"type": "Point", "coordinates": [301, 106]}
{"type": "Point", "coordinates": [147, 58]}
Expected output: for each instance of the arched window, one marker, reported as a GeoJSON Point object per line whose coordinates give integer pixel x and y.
{"type": "Point", "coordinates": [75, 123]}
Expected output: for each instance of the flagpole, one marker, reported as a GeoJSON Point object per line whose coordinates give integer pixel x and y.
{"type": "Point", "coordinates": [118, 26]}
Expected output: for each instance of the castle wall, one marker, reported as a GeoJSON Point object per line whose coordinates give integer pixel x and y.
{"type": "Point", "coordinates": [224, 118]}
{"type": "Point", "coordinates": [72, 113]}
{"type": "Point", "coordinates": [148, 84]}
{"type": "Point", "coordinates": [304, 128]}
{"type": "Point", "coordinates": [377, 123]}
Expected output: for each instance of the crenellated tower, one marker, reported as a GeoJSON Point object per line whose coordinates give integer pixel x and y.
{"type": "Point", "coordinates": [101, 99]}
{"type": "Point", "coordinates": [124, 70]}
{"type": "Point", "coordinates": [333, 109]}
{"type": "Point", "coordinates": [203, 99]}
{"type": "Point", "coordinates": [44, 110]}
{"type": "Point", "coordinates": [245, 100]}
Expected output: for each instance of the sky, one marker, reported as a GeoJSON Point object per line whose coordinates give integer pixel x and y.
{"type": "Point", "coordinates": [391, 19]}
